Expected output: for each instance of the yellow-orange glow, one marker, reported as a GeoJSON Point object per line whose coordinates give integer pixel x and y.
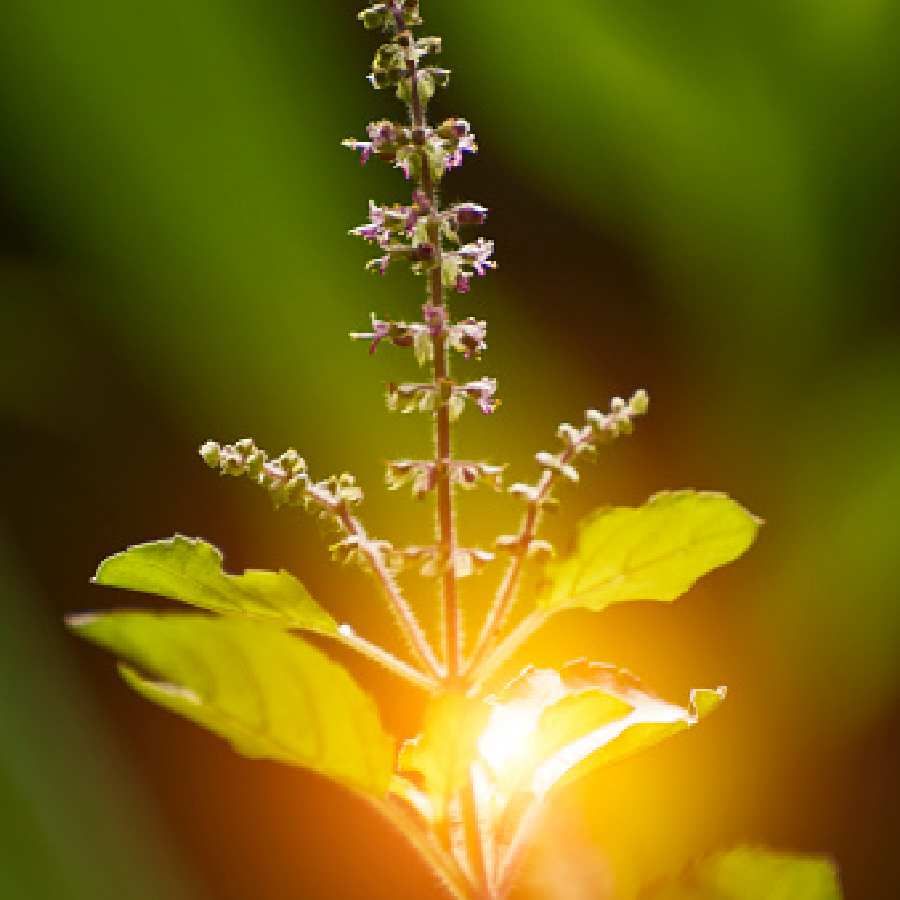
{"type": "Point", "coordinates": [505, 741]}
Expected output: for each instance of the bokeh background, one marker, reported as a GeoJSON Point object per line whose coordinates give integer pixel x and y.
{"type": "Point", "coordinates": [696, 197]}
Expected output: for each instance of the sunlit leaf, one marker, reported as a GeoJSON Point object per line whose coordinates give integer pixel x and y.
{"type": "Point", "coordinates": [549, 728]}
{"type": "Point", "coordinates": [443, 753]}
{"type": "Point", "coordinates": [269, 693]}
{"type": "Point", "coordinates": [652, 552]}
{"type": "Point", "coordinates": [190, 570]}
{"type": "Point", "coordinates": [753, 874]}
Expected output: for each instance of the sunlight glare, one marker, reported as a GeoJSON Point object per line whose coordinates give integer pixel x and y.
{"type": "Point", "coordinates": [505, 740]}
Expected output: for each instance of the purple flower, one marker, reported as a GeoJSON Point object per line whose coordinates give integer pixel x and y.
{"type": "Point", "coordinates": [369, 232]}
{"type": "Point", "coordinates": [364, 148]}
{"type": "Point", "coordinates": [477, 255]}
{"type": "Point", "coordinates": [454, 128]}
{"type": "Point", "coordinates": [482, 392]}
{"type": "Point", "coordinates": [463, 282]}
{"type": "Point", "coordinates": [380, 331]}
{"type": "Point", "coordinates": [382, 134]}
{"type": "Point", "coordinates": [468, 337]}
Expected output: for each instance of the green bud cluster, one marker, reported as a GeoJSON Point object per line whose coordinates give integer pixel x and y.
{"type": "Point", "coordinates": [285, 477]}
{"type": "Point", "coordinates": [385, 17]}
{"type": "Point", "coordinates": [618, 421]}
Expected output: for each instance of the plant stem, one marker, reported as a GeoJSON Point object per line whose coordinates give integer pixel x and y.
{"type": "Point", "coordinates": [402, 611]}
{"type": "Point", "coordinates": [424, 843]}
{"type": "Point", "coordinates": [347, 636]}
{"type": "Point", "coordinates": [445, 522]}
{"type": "Point", "coordinates": [527, 627]}
{"type": "Point", "coordinates": [505, 598]}
{"type": "Point", "coordinates": [515, 853]}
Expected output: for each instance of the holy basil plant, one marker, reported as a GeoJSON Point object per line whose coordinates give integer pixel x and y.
{"type": "Point", "coordinates": [467, 791]}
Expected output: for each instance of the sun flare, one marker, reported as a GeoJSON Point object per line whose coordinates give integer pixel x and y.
{"type": "Point", "coordinates": [505, 741]}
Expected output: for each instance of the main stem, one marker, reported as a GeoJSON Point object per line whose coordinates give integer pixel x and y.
{"type": "Point", "coordinates": [445, 524]}
{"type": "Point", "coordinates": [445, 521]}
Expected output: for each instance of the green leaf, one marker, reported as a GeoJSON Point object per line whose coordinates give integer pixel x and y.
{"type": "Point", "coordinates": [653, 552]}
{"type": "Point", "coordinates": [443, 753]}
{"type": "Point", "coordinates": [190, 570]}
{"type": "Point", "coordinates": [549, 728]}
{"type": "Point", "coordinates": [270, 694]}
{"type": "Point", "coordinates": [753, 874]}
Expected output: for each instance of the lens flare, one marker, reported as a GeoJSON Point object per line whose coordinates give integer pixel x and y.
{"type": "Point", "coordinates": [505, 741]}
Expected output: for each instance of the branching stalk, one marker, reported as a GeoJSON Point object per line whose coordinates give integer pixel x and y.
{"type": "Point", "coordinates": [348, 637]}
{"type": "Point", "coordinates": [507, 592]}
{"type": "Point", "coordinates": [403, 613]}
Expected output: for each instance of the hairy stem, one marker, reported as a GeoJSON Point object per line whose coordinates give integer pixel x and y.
{"type": "Point", "coordinates": [515, 853]}
{"type": "Point", "coordinates": [403, 613]}
{"type": "Point", "coordinates": [347, 636]}
{"type": "Point", "coordinates": [445, 522]}
{"type": "Point", "coordinates": [507, 592]}
{"type": "Point", "coordinates": [438, 860]}
{"type": "Point", "coordinates": [505, 649]}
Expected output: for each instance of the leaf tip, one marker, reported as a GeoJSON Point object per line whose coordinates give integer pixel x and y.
{"type": "Point", "coordinates": [79, 621]}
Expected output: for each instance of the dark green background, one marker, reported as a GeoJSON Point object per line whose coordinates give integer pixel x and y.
{"type": "Point", "coordinates": [698, 197]}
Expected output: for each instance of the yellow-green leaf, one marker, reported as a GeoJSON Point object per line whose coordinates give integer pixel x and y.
{"type": "Point", "coordinates": [443, 753]}
{"type": "Point", "coordinates": [652, 552]}
{"type": "Point", "coordinates": [548, 728]}
{"type": "Point", "coordinates": [269, 693]}
{"type": "Point", "coordinates": [190, 570]}
{"type": "Point", "coordinates": [749, 873]}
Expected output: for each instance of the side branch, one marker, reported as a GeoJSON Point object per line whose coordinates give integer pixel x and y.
{"type": "Point", "coordinates": [288, 483]}
{"type": "Point", "coordinates": [600, 428]}
{"type": "Point", "coordinates": [403, 613]}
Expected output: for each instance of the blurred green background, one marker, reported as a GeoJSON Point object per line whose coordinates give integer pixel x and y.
{"type": "Point", "coordinates": [698, 197]}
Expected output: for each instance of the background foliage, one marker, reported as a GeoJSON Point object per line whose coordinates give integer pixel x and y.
{"type": "Point", "coordinates": [696, 197]}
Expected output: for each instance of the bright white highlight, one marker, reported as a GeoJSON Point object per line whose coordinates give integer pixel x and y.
{"type": "Point", "coordinates": [505, 740]}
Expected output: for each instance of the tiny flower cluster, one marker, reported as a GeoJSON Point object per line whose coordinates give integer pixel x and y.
{"type": "Point", "coordinates": [444, 146]}
{"type": "Point", "coordinates": [411, 397]}
{"type": "Point", "coordinates": [467, 337]}
{"type": "Point", "coordinates": [458, 266]}
{"type": "Point", "coordinates": [394, 14]}
{"type": "Point", "coordinates": [409, 233]}
{"type": "Point", "coordinates": [466, 561]}
{"type": "Point", "coordinates": [285, 477]}
{"type": "Point", "coordinates": [422, 475]}
{"type": "Point", "coordinates": [600, 428]}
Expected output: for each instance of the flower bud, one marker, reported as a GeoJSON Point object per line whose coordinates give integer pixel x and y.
{"type": "Point", "coordinates": [639, 402]}
{"type": "Point", "coordinates": [429, 45]}
{"type": "Point", "coordinates": [470, 213]}
{"type": "Point", "coordinates": [255, 463]}
{"type": "Point", "coordinates": [453, 129]}
{"type": "Point", "coordinates": [525, 491]}
{"type": "Point", "coordinates": [245, 447]}
{"type": "Point", "coordinates": [440, 77]}
{"type": "Point", "coordinates": [211, 453]}
{"type": "Point", "coordinates": [507, 542]}
{"type": "Point", "coordinates": [374, 17]}
{"type": "Point", "coordinates": [539, 549]}
{"type": "Point", "coordinates": [290, 461]}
